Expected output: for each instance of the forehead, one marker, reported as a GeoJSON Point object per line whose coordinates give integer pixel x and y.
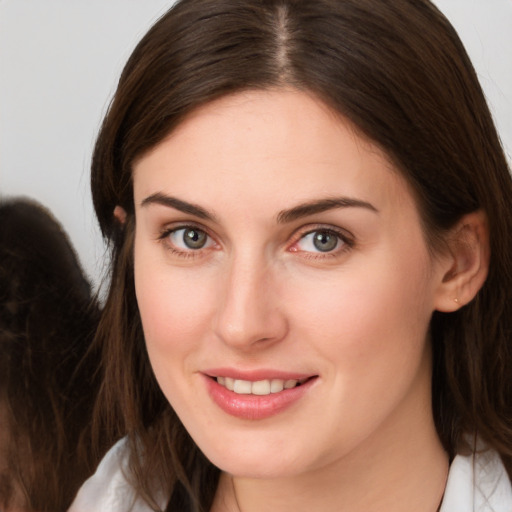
{"type": "Point", "coordinates": [274, 145]}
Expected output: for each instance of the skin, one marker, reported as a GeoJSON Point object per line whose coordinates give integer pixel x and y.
{"type": "Point", "coordinates": [259, 294]}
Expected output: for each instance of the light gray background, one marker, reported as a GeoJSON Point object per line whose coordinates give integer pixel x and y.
{"type": "Point", "coordinates": [59, 63]}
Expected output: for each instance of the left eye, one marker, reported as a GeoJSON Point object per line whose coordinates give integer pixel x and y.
{"type": "Point", "coordinates": [189, 238]}
{"type": "Point", "coordinates": [321, 240]}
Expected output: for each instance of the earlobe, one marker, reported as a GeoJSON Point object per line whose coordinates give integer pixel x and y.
{"type": "Point", "coordinates": [120, 215]}
{"type": "Point", "coordinates": [469, 254]}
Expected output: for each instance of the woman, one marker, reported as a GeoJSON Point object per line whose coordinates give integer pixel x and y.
{"type": "Point", "coordinates": [309, 210]}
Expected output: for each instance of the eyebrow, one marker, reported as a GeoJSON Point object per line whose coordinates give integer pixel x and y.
{"type": "Point", "coordinates": [283, 217]}
{"type": "Point", "coordinates": [178, 204]}
{"type": "Point", "coordinates": [322, 205]}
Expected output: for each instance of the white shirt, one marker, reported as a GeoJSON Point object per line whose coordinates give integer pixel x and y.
{"type": "Point", "coordinates": [476, 483]}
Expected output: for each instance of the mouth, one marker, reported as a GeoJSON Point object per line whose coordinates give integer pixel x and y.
{"type": "Point", "coordinates": [258, 398]}
{"type": "Point", "coordinates": [259, 387]}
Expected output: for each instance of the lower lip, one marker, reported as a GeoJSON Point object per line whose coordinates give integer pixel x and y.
{"type": "Point", "coordinates": [255, 407]}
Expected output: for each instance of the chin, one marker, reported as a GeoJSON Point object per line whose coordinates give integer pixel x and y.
{"type": "Point", "coordinates": [259, 469]}
{"type": "Point", "coordinates": [256, 460]}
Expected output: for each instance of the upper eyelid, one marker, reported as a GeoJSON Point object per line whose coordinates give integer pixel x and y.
{"type": "Point", "coordinates": [177, 225]}
{"type": "Point", "coordinates": [312, 228]}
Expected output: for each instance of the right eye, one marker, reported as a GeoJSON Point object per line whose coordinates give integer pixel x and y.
{"type": "Point", "coordinates": [187, 239]}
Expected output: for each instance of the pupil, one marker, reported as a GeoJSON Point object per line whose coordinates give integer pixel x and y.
{"type": "Point", "coordinates": [194, 239]}
{"type": "Point", "coordinates": [325, 241]}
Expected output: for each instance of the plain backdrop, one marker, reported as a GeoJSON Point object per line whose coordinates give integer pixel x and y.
{"type": "Point", "coordinates": [60, 61]}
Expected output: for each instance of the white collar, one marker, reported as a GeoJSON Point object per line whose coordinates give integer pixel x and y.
{"type": "Point", "coordinates": [477, 483]}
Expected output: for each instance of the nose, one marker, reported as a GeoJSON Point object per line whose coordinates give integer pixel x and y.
{"type": "Point", "coordinates": [249, 313]}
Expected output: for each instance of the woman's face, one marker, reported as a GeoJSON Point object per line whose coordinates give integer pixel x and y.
{"type": "Point", "coordinates": [285, 286]}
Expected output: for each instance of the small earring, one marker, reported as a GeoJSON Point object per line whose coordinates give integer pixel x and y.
{"type": "Point", "coordinates": [456, 300]}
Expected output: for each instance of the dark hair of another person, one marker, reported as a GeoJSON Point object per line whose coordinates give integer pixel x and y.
{"type": "Point", "coordinates": [398, 72]}
{"type": "Point", "coordinates": [47, 389]}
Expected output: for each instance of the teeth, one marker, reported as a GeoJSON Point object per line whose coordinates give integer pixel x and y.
{"type": "Point", "coordinates": [230, 383]}
{"type": "Point", "coordinates": [289, 384]}
{"type": "Point", "coordinates": [260, 387]}
{"type": "Point", "coordinates": [276, 386]}
{"type": "Point", "coordinates": [242, 387]}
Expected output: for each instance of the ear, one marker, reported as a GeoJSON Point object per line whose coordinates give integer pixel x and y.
{"type": "Point", "coordinates": [467, 263]}
{"type": "Point", "coordinates": [120, 215]}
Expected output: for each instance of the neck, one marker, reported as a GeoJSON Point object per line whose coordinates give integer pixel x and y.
{"type": "Point", "coordinates": [418, 487]}
{"type": "Point", "coordinates": [402, 468]}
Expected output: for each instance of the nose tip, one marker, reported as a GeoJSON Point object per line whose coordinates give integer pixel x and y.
{"type": "Point", "coordinates": [249, 313]}
{"type": "Point", "coordinates": [234, 335]}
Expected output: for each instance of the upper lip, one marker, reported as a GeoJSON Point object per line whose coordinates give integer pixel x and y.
{"type": "Point", "coordinates": [256, 374]}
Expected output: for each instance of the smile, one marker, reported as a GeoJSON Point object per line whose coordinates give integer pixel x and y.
{"type": "Point", "coordinates": [260, 387]}
{"type": "Point", "coordinates": [257, 397]}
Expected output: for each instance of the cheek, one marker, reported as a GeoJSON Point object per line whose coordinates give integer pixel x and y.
{"type": "Point", "coordinates": [175, 307]}
{"type": "Point", "coordinates": [172, 309]}
{"type": "Point", "coordinates": [174, 320]}
{"type": "Point", "coordinates": [375, 312]}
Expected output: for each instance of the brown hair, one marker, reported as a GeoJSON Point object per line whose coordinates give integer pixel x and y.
{"type": "Point", "coordinates": [47, 321]}
{"type": "Point", "coordinates": [398, 71]}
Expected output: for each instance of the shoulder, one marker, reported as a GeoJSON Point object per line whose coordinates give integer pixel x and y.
{"type": "Point", "coordinates": [478, 482]}
{"type": "Point", "coordinates": [109, 488]}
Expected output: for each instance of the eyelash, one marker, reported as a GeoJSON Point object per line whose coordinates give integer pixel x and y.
{"type": "Point", "coordinates": [188, 254]}
{"type": "Point", "coordinates": [345, 238]}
